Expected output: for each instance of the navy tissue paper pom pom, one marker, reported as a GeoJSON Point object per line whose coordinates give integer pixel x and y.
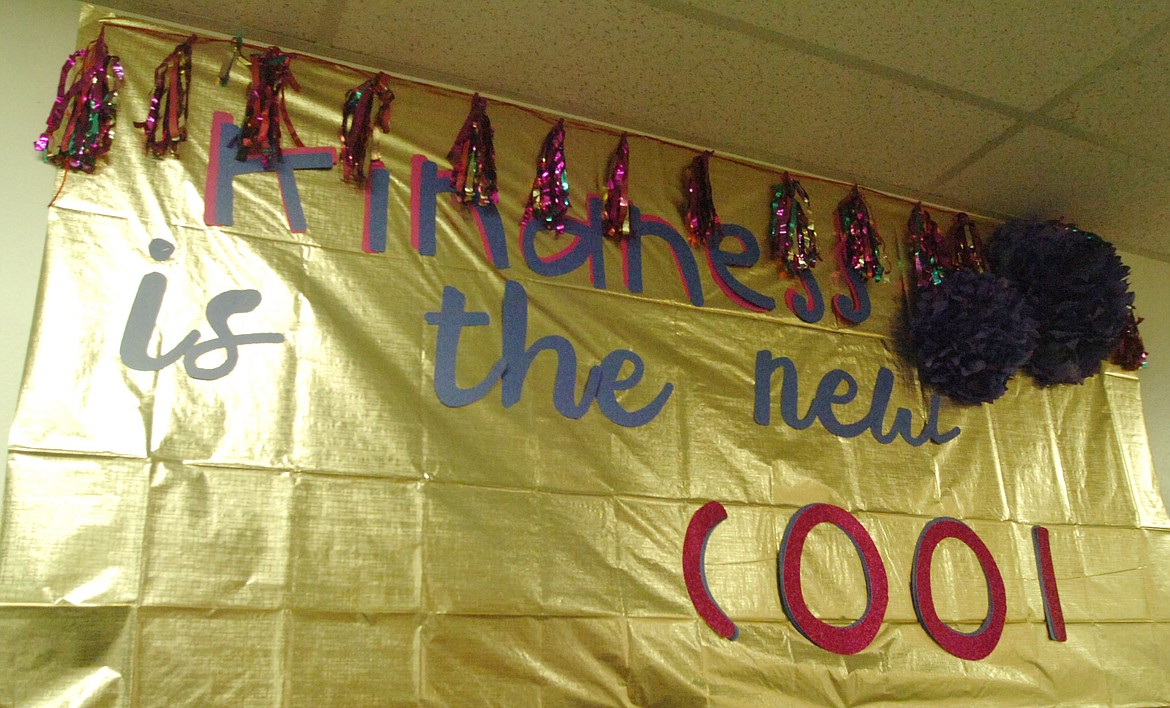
{"type": "Point", "coordinates": [973, 332]}
{"type": "Point", "coordinates": [1078, 283]}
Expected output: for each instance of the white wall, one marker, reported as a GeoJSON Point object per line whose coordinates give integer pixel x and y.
{"type": "Point", "coordinates": [1150, 280]}
{"type": "Point", "coordinates": [39, 34]}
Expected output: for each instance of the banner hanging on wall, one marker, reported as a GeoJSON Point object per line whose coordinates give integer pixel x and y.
{"type": "Point", "coordinates": [348, 390]}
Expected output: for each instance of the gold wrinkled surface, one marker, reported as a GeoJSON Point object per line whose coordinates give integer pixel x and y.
{"type": "Point", "coordinates": [316, 528]}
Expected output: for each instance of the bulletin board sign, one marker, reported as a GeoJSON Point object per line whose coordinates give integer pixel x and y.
{"type": "Point", "coordinates": [286, 438]}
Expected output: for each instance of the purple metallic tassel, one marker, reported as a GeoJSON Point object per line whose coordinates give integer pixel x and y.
{"type": "Point", "coordinates": [358, 121]}
{"type": "Point", "coordinates": [165, 125]}
{"type": "Point", "coordinates": [967, 249]}
{"type": "Point", "coordinates": [792, 236]}
{"type": "Point", "coordinates": [930, 257]}
{"type": "Point", "coordinates": [1130, 353]}
{"type": "Point", "coordinates": [86, 108]}
{"type": "Point", "coordinates": [617, 193]}
{"type": "Point", "coordinates": [473, 158]}
{"type": "Point", "coordinates": [549, 198]}
{"type": "Point", "coordinates": [861, 245]}
{"type": "Point", "coordinates": [260, 134]}
{"type": "Point", "coordinates": [701, 218]}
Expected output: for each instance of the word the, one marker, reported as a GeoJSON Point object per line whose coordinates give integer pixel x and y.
{"type": "Point", "coordinates": [516, 356]}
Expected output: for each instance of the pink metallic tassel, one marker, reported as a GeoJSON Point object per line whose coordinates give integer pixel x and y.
{"type": "Point", "coordinates": [701, 218]}
{"type": "Point", "coordinates": [549, 199]}
{"type": "Point", "coordinates": [266, 110]}
{"type": "Point", "coordinates": [473, 158]}
{"type": "Point", "coordinates": [617, 193]}
{"type": "Point", "coordinates": [861, 245]}
{"type": "Point", "coordinates": [166, 119]}
{"type": "Point", "coordinates": [358, 121]}
{"type": "Point", "coordinates": [87, 108]}
{"type": "Point", "coordinates": [792, 236]}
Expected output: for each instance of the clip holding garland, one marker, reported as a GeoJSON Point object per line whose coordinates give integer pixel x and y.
{"type": "Point", "coordinates": [792, 236]}
{"type": "Point", "coordinates": [861, 245]}
{"type": "Point", "coordinates": [473, 158]}
{"type": "Point", "coordinates": [617, 193]}
{"type": "Point", "coordinates": [266, 110]}
{"type": "Point", "coordinates": [701, 218]}
{"type": "Point", "coordinates": [225, 71]}
{"type": "Point", "coordinates": [549, 199]}
{"type": "Point", "coordinates": [165, 125]}
{"type": "Point", "coordinates": [86, 107]}
{"type": "Point", "coordinates": [358, 121]}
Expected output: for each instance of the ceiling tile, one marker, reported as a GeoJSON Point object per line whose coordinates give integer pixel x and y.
{"type": "Point", "coordinates": [627, 64]}
{"type": "Point", "coordinates": [1045, 174]}
{"type": "Point", "coordinates": [302, 19]}
{"type": "Point", "coordinates": [1129, 104]}
{"type": "Point", "coordinates": [1017, 53]}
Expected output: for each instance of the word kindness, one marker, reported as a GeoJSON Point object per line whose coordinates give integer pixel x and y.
{"type": "Point", "coordinates": [585, 249]}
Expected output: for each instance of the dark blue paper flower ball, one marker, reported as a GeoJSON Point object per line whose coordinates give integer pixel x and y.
{"type": "Point", "coordinates": [1079, 285]}
{"type": "Point", "coordinates": [972, 332]}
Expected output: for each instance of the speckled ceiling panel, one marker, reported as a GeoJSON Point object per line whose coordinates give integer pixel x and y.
{"type": "Point", "coordinates": [1129, 104]}
{"type": "Point", "coordinates": [303, 19]}
{"type": "Point", "coordinates": [658, 72]}
{"type": "Point", "coordinates": [1017, 53]}
{"type": "Point", "coordinates": [1046, 174]}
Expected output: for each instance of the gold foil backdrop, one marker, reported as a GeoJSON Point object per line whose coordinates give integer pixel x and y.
{"type": "Point", "coordinates": [316, 528]}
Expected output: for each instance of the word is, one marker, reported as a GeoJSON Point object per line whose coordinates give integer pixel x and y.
{"type": "Point", "coordinates": [143, 320]}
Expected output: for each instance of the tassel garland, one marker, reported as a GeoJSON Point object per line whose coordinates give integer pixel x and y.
{"type": "Point", "coordinates": [358, 121]}
{"type": "Point", "coordinates": [473, 158]}
{"type": "Point", "coordinates": [793, 238]}
{"type": "Point", "coordinates": [166, 119]}
{"type": "Point", "coordinates": [266, 110]}
{"type": "Point", "coordinates": [86, 107]}
{"type": "Point", "coordinates": [617, 193]}
{"type": "Point", "coordinates": [549, 199]}
{"type": "Point", "coordinates": [861, 245]}
{"type": "Point", "coordinates": [701, 218]}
